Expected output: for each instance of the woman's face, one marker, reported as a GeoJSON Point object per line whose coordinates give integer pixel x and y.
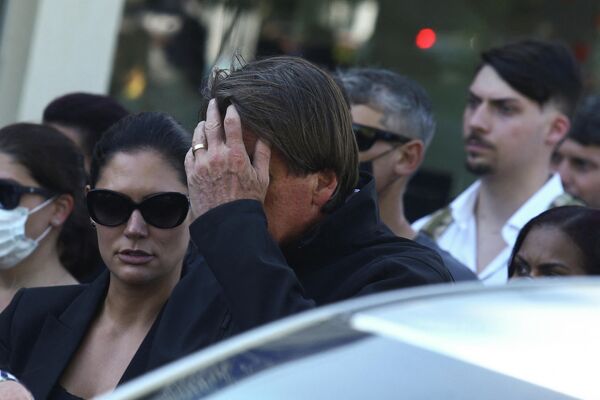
{"type": "Point", "coordinates": [39, 221]}
{"type": "Point", "coordinates": [548, 251]}
{"type": "Point", "coordinates": [137, 252]}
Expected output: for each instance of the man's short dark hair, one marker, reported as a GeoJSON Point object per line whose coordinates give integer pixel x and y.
{"type": "Point", "coordinates": [585, 129]}
{"type": "Point", "coordinates": [405, 105]}
{"type": "Point", "coordinates": [90, 114]}
{"type": "Point", "coordinates": [542, 71]}
{"type": "Point", "coordinates": [297, 108]}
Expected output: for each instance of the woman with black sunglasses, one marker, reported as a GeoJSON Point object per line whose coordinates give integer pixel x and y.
{"type": "Point", "coordinates": [45, 238]}
{"type": "Point", "coordinates": [154, 304]}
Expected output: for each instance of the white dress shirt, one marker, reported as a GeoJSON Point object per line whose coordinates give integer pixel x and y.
{"type": "Point", "coordinates": [460, 238]}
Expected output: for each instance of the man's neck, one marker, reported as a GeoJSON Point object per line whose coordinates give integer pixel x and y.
{"type": "Point", "coordinates": [391, 209]}
{"type": "Point", "coordinates": [500, 196]}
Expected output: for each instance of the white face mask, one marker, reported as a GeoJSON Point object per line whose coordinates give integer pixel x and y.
{"type": "Point", "coordinates": [14, 245]}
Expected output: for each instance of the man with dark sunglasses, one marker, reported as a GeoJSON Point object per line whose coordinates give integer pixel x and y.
{"type": "Point", "coordinates": [393, 124]}
{"type": "Point", "coordinates": [281, 216]}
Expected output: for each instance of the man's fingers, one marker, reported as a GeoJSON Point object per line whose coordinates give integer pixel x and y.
{"type": "Point", "coordinates": [213, 129]}
{"type": "Point", "coordinates": [189, 162]}
{"type": "Point", "coordinates": [199, 135]}
{"type": "Point", "coordinates": [261, 159]}
{"type": "Point", "coordinates": [233, 128]}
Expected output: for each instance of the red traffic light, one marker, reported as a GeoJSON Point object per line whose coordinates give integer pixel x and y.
{"type": "Point", "coordinates": [425, 38]}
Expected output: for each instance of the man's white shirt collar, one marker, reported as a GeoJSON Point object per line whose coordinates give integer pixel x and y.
{"type": "Point", "coordinates": [463, 207]}
{"type": "Point", "coordinates": [536, 204]}
{"type": "Point", "coordinates": [463, 214]}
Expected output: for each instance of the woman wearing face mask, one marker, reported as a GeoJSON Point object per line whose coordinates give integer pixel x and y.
{"type": "Point", "coordinates": [45, 237]}
{"type": "Point", "coordinates": [153, 304]}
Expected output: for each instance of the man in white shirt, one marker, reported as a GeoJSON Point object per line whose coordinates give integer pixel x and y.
{"type": "Point", "coordinates": [518, 109]}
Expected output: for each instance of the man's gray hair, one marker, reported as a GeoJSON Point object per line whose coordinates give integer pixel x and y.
{"type": "Point", "coordinates": [405, 105]}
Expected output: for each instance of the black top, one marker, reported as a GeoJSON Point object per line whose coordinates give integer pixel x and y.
{"type": "Point", "coordinates": [42, 328]}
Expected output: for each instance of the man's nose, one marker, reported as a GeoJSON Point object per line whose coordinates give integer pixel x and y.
{"type": "Point", "coordinates": [478, 118]}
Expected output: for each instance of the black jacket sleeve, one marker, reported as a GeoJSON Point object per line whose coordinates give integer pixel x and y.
{"type": "Point", "coordinates": [258, 283]}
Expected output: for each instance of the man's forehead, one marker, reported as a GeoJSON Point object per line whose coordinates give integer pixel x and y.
{"type": "Point", "coordinates": [572, 148]}
{"type": "Point", "coordinates": [364, 114]}
{"type": "Point", "coordinates": [488, 85]}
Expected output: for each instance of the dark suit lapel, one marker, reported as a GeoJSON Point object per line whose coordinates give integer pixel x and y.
{"type": "Point", "coordinates": [60, 338]}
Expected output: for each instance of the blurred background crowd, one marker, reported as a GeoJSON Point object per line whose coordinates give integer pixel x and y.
{"type": "Point", "coordinates": [153, 54]}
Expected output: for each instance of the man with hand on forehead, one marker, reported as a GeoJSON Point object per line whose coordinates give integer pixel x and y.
{"type": "Point", "coordinates": [282, 217]}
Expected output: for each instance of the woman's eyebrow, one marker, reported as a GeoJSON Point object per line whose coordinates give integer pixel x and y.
{"type": "Point", "coordinates": [554, 266]}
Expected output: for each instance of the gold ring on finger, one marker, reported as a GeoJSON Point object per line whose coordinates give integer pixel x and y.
{"type": "Point", "coordinates": [198, 147]}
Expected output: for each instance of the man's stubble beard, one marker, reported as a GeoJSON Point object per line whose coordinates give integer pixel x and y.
{"type": "Point", "coordinates": [478, 169]}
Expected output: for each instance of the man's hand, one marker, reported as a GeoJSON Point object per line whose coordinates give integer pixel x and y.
{"type": "Point", "coordinates": [221, 172]}
{"type": "Point", "coordinates": [11, 390]}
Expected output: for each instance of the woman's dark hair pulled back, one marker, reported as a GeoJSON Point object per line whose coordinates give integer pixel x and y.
{"type": "Point", "coordinates": [154, 131]}
{"type": "Point", "coordinates": [581, 224]}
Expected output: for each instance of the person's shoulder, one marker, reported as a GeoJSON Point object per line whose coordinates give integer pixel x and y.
{"type": "Point", "coordinates": [31, 307]}
{"type": "Point", "coordinates": [406, 256]}
{"type": "Point", "coordinates": [44, 300]}
{"type": "Point", "coordinates": [55, 292]}
{"type": "Point", "coordinates": [419, 223]}
{"type": "Point", "coordinates": [435, 224]}
{"type": "Point", "coordinates": [458, 270]}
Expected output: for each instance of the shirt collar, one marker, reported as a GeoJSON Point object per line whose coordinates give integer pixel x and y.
{"type": "Point", "coordinates": [536, 204]}
{"type": "Point", "coordinates": [463, 206]}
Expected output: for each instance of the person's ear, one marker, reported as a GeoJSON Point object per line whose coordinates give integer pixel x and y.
{"type": "Point", "coordinates": [559, 127]}
{"type": "Point", "coordinates": [410, 157]}
{"type": "Point", "coordinates": [63, 206]}
{"type": "Point", "coordinates": [325, 183]}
